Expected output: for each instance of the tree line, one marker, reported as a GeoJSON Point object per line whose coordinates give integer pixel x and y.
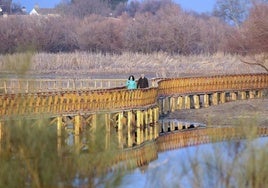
{"type": "Point", "coordinates": [146, 27]}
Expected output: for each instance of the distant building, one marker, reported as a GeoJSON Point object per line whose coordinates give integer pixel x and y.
{"type": "Point", "coordinates": [44, 11]}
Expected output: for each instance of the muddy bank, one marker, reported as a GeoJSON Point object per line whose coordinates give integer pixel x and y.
{"type": "Point", "coordinates": [252, 111]}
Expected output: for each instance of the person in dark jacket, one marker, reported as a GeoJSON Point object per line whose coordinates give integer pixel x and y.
{"type": "Point", "coordinates": [143, 82]}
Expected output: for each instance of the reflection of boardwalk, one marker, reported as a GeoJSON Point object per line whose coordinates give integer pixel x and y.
{"type": "Point", "coordinates": [174, 140]}
{"type": "Point", "coordinates": [143, 154]}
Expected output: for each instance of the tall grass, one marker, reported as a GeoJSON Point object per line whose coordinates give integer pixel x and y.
{"type": "Point", "coordinates": [29, 157]}
{"type": "Point", "coordinates": [154, 64]}
{"type": "Point", "coordinates": [18, 63]}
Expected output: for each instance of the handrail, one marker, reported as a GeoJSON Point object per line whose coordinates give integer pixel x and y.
{"type": "Point", "coordinates": [75, 101]}
{"type": "Point", "coordinates": [212, 83]}
{"type": "Point", "coordinates": [43, 85]}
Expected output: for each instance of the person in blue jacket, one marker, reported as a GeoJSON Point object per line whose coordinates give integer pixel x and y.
{"type": "Point", "coordinates": [131, 83]}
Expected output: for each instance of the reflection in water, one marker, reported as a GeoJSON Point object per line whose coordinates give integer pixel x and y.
{"type": "Point", "coordinates": [79, 182]}
{"type": "Point", "coordinates": [171, 125]}
{"type": "Point", "coordinates": [199, 166]}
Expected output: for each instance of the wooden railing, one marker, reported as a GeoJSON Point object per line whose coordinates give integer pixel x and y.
{"type": "Point", "coordinates": [8, 86]}
{"type": "Point", "coordinates": [212, 84]}
{"type": "Point", "coordinates": [73, 102]}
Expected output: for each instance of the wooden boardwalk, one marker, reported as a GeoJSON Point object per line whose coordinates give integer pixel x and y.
{"type": "Point", "coordinates": [133, 113]}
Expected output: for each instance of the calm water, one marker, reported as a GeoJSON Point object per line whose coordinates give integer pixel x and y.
{"type": "Point", "coordinates": [175, 168]}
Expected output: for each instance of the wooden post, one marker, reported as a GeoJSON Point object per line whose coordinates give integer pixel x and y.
{"type": "Point", "coordinates": [145, 115]}
{"type": "Point", "coordinates": [59, 125]}
{"type": "Point", "coordinates": [108, 130]}
{"type": "Point", "coordinates": [146, 133]}
{"type": "Point", "coordinates": [260, 94]}
{"type": "Point", "coordinates": [55, 106]}
{"type": "Point", "coordinates": [151, 132]}
{"type": "Point", "coordinates": [180, 102]}
{"type": "Point", "coordinates": [172, 126]}
{"type": "Point", "coordinates": [196, 102]}
{"type": "Point", "coordinates": [156, 114]}
{"type": "Point", "coordinates": [215, 98]}
{"type": "Point", "coordinates": [243, 95]}
{"type": "Point", "coordinates": [233, 96]}
{"type": "Point", "coordinates": [129, 128]}
{"type": "Point", "coordinates": [93, 127]}
{"type": "Point", "coordinates": [222, 97]}
{"type": "Point", "coordinates": [120, 129]}
{"type": "Point", "coordinates": [94, 122]}
{"type": "Point", "coordinates": [59, 133]}
{"type": "Point", "coordinates": [43, 104]}
{"type": "Point", "coordinates": [206, 100]}
{"type": "Point", "coordinates": [150, 116]}
{"type": "Point", "coordinates": [161, 105]}
{"type": "Point", "coordinates": [166, 105]}
{"type": "Point", "coordinates": [165, 127]}
{"type": "Point", "coordinates": [156, 130]}
{"type": "Point", "coordinates": [31, 102]}
{"type": "Point", "coordinates": [138, 125]}
{"type": "Point", "coordinates": [138, 130]}
{"type": "Point", "coordinates": [187, 102]}
{"type": "Point", "coordinates": [142, 126]}
{"type": "Point", "coordinates": [173, 104]}
{"type": "Point", "coordinates": [146, 119]}
{"type": "Point", "coordinates": [252, 94]}
{"type": "Point", "coordinates": [77, 124]}
{"type": "Point", "coordinates": [180, 125]}
{"type": "Point", "coordinates": [49, 105]}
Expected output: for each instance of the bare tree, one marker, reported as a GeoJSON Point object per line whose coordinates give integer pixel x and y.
{"type": "Point", "coordinates": [256, 36]}
{"type": "Point", "coordinates": [232, 11]}
{"type": "Point", "coordinates": [97, 33]}
{"type": "Point", "coordinates": [213, 35]}
{"type": "Point", "coordinates": [6, 6]}
{"type": "Point", "coordinates": [83, 8]}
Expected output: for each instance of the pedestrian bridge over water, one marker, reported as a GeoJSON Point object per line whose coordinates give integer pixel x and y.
{"type": "Point", "coordinates": [134, 114]}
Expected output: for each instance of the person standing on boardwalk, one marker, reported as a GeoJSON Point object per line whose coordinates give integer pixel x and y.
{"type": "Point", "coordinates": [143, 82]}
{"type": "Point", "coordinates": [131, 83]}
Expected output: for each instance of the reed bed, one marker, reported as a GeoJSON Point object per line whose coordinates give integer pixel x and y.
{"type": "Point", "coordinates": [80, 64]}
